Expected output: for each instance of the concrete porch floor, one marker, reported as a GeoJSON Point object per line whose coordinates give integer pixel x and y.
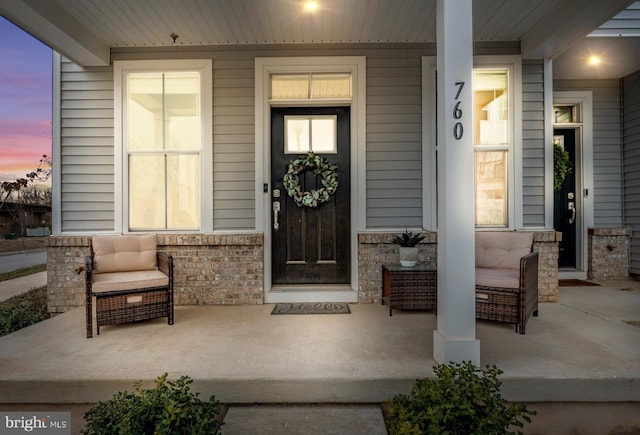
{"type": "Point", "coordinates": [581, 349]}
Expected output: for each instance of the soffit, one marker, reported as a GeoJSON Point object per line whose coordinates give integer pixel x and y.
{"type": "Point", "coordinates": [86, 30]}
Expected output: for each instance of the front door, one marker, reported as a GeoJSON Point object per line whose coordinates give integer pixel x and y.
{"type": "Point", "coordinates": [565, 215]}
{"type": "Point", "coordinates": [310, 245]}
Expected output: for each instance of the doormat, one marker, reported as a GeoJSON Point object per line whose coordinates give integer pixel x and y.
{"type": "Point", "coordinates": [312, 308]}
{"type": "Point", "coordinates": [576, 283]}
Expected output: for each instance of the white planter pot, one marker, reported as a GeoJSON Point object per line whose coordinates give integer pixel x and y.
{"type": "Point", "coordinates": [408, 256]}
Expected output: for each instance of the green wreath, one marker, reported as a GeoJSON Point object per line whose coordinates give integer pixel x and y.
{"type": "Point", "coordinates": [320, 166]}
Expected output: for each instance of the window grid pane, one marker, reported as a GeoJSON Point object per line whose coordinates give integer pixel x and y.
{"type": "Point", "coordinates": [311, 133]}
{"type": "Point", "coordinates": [491, 188]}
{"type": "Point", "coordinates": [491, 106]}
{"type": "Point", "coordinates": [310, 86]}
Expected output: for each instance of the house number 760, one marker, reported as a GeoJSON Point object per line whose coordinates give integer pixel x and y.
{"type": "Point", "coordinates": [458, 129]}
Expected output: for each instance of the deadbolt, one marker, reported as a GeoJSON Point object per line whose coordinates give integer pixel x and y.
{"type": "Point", "coordinates": [276, 193]}
{"type": "Point", "coordinates": [570, 195]}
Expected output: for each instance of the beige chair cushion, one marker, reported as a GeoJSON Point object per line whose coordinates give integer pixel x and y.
{"type": "Point", "coordinates": [124, 253]}
{"type": "Point", "coordinates": [115, 281]}
{"type": "Point", "coordinates": [502, 250]}
{"type": "Point", "coordinates": [504, 278]}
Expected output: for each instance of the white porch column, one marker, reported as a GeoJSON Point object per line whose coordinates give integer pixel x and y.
{"type": "Point", "coordinates": [455, 339]}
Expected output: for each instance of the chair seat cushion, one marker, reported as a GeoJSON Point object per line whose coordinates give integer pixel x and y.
{"type": "Point", "coordinates": [505, 278]}
{"type": "Point", "coordinates": [116, 281]}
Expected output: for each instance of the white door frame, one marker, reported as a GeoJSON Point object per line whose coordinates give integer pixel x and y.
{"type": "Point", "coordinates": [583, 100]}
{"type": "Point", "coordinates": [264, 68]}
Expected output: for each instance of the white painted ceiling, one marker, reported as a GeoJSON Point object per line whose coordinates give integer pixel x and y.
{"type": "Point", "coordinates": [85, 30]}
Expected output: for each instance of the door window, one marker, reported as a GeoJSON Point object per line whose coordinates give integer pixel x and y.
{"type": "Point", "coordinates": [310, 133]}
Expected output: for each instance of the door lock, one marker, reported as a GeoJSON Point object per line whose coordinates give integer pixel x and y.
{"type": "Point", "coordinates": [276, 209]}
{"type": "Point", "coordinates": [276, 193]}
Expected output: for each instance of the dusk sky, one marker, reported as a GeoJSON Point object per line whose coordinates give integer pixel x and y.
{"type": "Point", "coordinates": [25, 101]}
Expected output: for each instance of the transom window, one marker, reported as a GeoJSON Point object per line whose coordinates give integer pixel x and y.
{"type": "Point", "coordinates": [310, 86]}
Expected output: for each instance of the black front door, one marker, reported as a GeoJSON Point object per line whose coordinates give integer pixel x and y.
{"type": "Point", "coordinates": [310, 245]}
{"type": "Point", "coordinates": [565, 212]}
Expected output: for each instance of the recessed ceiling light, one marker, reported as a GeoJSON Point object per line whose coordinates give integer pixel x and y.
{"type": "Point", "coordinates": [594, 60]}
{"type": "Point", "coordinates": [310, 6]}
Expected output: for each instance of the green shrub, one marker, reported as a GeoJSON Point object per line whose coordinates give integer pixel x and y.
{"type": "Point", "coordinates": [23, 310]}
{"type": "Point", "coordinates": [463, 400]}
{"type": "Point", "coordinates": [170, 408]}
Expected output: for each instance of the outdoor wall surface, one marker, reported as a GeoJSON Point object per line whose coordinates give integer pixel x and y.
{"type": "Point", "coordinates": [607, 147]}
{"type": "Point", "coordinates": [393, 134]}
{"type": "Point", "coordinates": [631, 132]}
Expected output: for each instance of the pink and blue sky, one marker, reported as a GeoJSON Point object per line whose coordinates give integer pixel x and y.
{"type": "Point", "coordinates": [25, 101]}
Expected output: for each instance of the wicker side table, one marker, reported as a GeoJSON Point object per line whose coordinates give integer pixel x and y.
{"type": "Point", "coordinates": [409, 288]}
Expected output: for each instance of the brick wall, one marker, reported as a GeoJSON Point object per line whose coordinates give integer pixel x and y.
{"type": "Point", "coordinates": [229, 269]}
{"type": "Point", "coordinates": [208, 269]}
{"type": "Point", "coordinates": [609, 253]}
{"type": "Point", "coordinates": [375, 249]}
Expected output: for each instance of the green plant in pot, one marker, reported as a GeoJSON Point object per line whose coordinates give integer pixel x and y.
{"type": "Point", "coordinates": [408, 242]}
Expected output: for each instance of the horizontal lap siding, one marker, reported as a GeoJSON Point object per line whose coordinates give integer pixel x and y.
{"type": "Point", "coordinates": [607, 147]}
{"type": "Point", "coordinates": [631, 132]}
{"type": "Point", "coordinates": [86, 151]}
{"type": "Point", "coordinates": [533, 143]}
{"type": "Point", "coordinates": [394, 140]}
{"type": "Point", "coordinates": [233, 143]}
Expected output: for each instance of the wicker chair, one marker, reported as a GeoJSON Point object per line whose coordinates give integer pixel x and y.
{"type": "Point", "coordinates": [129, 280]}
{"type": "Point", "coordinates": [507, 281]}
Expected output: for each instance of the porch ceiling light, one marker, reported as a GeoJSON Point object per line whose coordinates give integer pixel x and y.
{"type": "Point", "coordinates": [310, 5]}
{"type": "Point", "coordinates": [594, 60]}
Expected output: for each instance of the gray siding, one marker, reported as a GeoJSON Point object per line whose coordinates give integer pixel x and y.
{"type": "Point", "coordinates": [233, 144]}
{"type": "Point", "coordinates": [631, 131]}
{"type": "Point", "coordinates": [86, 154]}
{"type": "Point", "coordinates": [533, 143]}
{"type": "Point", "coordinates": [607, 147]}
{"type": "Point", "coordinates": [394, 140]}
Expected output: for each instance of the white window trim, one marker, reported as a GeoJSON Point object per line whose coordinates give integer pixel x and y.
{"type": "Point", "coordinates": [264, 68]}
{"type": "Point", "coordinates": [120, 69]}
{"type": "Point", "coordinates": [514, 177]}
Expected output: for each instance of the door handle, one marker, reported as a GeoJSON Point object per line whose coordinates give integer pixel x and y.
{"type": "Point", "coordinates": [276, 209]}
{"type": "Point", "coordinates": [572, 208]}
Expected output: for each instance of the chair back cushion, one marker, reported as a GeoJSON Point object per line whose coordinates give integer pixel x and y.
{"type": "Point", "coordinates": [502, 250]}
{"type": "Point", "coordinates": [124, 253]}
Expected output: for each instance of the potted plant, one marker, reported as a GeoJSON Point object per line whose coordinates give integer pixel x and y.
{"type": "Point", "coordinates": [408, 247]}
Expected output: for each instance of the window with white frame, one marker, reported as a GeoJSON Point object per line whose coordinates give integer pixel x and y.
{"type": "Point", "coordinates": [497, 123]}
{"type": "Point", "coordinates": [492, 142]}
{"type": "Point", "coordinates": [164, 128]}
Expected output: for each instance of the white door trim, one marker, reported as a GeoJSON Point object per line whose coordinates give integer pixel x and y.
{"type": "Point", "coordinates": [584, 176]}
{"type": "Point", "coordinates": [264, 68]}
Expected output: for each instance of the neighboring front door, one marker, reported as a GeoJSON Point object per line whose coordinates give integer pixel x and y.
{"type": "Point", "coordinates": [565, 215]}
{"type": "Point", "coordinates": [310, 246]}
